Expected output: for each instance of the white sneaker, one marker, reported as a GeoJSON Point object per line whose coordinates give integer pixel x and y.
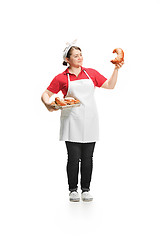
{"type": "Point", "coordinates": [86, 197]}
{"type": "Point", "coordinates": [74, 197]}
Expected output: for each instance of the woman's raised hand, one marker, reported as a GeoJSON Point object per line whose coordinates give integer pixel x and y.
{"type": "Point", "coordinates": [119, 65]}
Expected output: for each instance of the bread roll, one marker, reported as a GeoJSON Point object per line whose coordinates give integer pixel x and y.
{"type": "Point", "coordinates": [60, 102]}
{"type": "Point", "coordinates": [71, 101]}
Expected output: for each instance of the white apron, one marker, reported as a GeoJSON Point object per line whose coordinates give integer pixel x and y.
{"type": "Point", "coordinates": [80, 124]}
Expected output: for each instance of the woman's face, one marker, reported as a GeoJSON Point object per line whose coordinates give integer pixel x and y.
{"type": "Point", "coordinates": [76, 58]}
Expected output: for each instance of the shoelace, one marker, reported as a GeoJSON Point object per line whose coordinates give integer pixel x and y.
{"type": "Point", "coordinates": [74, 193]}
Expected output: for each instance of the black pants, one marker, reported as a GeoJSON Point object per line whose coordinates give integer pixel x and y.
{"type": "Point", "coordinates": [79, 153]}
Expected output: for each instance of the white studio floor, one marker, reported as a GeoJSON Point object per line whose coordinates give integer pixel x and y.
{"type": "Point", "coordinates": [35, 204]}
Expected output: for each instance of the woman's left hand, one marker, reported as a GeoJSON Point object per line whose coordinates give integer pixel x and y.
{"type": "Point", "coordinates": [119, 65]}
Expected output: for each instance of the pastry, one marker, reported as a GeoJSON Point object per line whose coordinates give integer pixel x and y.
{"type": "Point", "coordinates": [120, 56]}
{"type": "Point", "coordinates": [60, 102]}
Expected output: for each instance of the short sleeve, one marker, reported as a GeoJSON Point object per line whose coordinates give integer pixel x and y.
{"type": "Point", "coordinates": [54, 86]}
{"type": "Point", "coordinates": [99, 79]}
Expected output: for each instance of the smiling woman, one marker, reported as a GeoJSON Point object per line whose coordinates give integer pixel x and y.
{"type": "Point", "coordinates": [76, 56]}
{"type": "Point", "coordinates": [79, 126]}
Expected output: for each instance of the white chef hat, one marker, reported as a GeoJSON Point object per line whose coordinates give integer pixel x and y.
{"type": "Point", "coordinates": [66, 50]}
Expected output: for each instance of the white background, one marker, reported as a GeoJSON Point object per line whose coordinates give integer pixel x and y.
{"type": "Point", "coordinates": [33, 183]}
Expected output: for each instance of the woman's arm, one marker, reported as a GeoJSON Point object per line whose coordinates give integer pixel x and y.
{"type": "Point", "coordinates": [110, 84]}
{"type": "Point", "coordinates": [45, 99]}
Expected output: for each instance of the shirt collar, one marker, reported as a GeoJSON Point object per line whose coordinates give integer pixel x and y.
{"type": "Point", "coordinates": [67, 71]}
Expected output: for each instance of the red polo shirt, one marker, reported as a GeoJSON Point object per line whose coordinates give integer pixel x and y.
{"type": "Point", "coordinates": [60, 82]}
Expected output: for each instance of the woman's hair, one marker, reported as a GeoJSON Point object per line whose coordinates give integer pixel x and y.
{"type": "Point", "coordinates": [70, 52]}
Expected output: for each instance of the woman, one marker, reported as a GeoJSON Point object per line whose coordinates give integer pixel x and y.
{"type": "Point", "coordinates": [79, 125]}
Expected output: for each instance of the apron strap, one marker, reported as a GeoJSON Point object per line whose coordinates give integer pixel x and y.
{"type": "Point", "coordinates": [68, 81]}
{"type": "Point", "coordinates": [86, 74]}
{"type": "Point", "coordinates": [69, 78]}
